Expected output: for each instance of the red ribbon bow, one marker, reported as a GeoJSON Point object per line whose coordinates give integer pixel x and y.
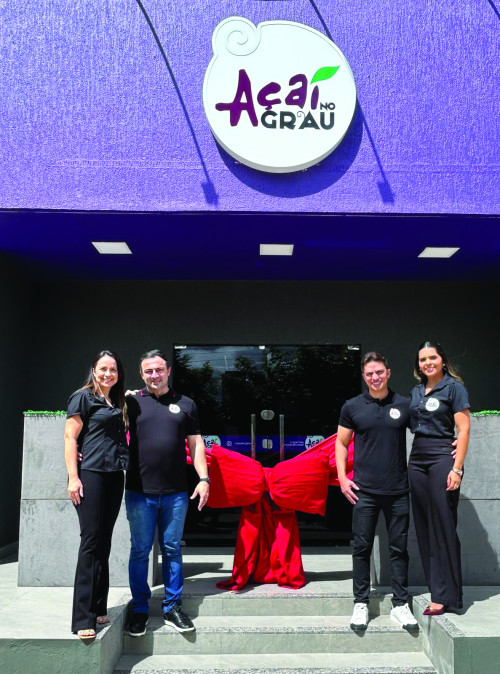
{"type": "Point", "coordinates": [268, 543]}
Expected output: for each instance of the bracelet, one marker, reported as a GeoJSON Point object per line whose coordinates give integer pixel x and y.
{"type": "Point", "coordinates": [458, 471]}
{"type": "Point", "coordinates": [205, 479]}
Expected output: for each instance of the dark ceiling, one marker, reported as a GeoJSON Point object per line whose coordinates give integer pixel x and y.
{"type": "Point", "coordinates": [214, 245]}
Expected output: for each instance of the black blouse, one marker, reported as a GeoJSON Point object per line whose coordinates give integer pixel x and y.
{"type": "Point", "coordinates": [432, 415]}
{"type": "Point", "coordinates": [102, 440]}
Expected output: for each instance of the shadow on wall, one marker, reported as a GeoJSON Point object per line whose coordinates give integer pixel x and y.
{"type": "Point", "coordinates": [209, 191]}
{"type": "Point", "coordinates": [324, 174]}
{"type": "Point", "coordinates": [319, 177]}
{"type": "Point", "coordinates": [494, 8]}
{"type": "Point", "coordinates": [309, 181]}
{"type": "Point", "coordinates": [480, 564]}
{"type": "Point", "coordinates": [302, 183]}
{"type": "Point", "coordinates": [386, 193]}
{"type": "Point", "coordinates": [384, 188]}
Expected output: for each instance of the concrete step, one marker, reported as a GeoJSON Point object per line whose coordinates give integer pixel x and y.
{"type": "Point", "coordinates": [48, 646]}
{"type": "Point", "coordinates": [282, 663]}
{"type": "Point", "coordinates": [269, 600]}
{"type": "Point", "coordinates": [273, 634]}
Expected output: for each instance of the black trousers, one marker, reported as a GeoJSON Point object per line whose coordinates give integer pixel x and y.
{"type": "Point", "coordinates": [97, 512]}
{"type": "Point", "coordinates": [435, 517]}
{"type": "Point", "coordinates": [365, 516]}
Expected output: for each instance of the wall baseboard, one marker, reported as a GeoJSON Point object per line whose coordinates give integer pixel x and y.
{"type": "Point", "coordinates": [9, 550]}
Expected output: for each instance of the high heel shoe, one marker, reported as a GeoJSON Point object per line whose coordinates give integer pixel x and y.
{"type": "Point", "coordinates": [430, 610]}
{"type": "Point", "coordinates": [87, 633]}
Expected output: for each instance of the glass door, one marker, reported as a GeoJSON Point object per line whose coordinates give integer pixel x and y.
{"type": "Point", "coordinates": [271, 403]}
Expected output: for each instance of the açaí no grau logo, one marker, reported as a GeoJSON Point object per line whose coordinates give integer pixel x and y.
{"type": "Point", "coordinates": [272, 95]}
{"type": "Point", "coordinates": [279, 96]}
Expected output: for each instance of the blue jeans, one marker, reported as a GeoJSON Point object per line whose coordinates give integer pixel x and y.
{"type": "Point", "coordinates": [144, 512]}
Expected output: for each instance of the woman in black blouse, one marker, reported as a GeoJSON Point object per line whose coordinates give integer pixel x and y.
{"type": "Point", "coordinates": [95, 428]}
{"type": "Point", "coordinates": [437, 405]}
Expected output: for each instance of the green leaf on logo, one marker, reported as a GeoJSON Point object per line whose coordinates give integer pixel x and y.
{"type": "Point", "coordinates": [324, 74]}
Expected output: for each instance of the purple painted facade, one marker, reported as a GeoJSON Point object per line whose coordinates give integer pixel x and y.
{"type": "Point", "coordinates": [95, 116]}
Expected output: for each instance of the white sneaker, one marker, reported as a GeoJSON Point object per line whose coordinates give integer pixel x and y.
{"type": "Point", "coordinates": [359, 620]}
{"type": "Point", "coordinates": [404, 617]}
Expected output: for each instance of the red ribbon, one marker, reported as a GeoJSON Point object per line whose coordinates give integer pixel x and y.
{"type": "Point", "coordinates": [268, 543]}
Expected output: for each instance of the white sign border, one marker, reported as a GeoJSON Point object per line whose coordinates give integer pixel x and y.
{"type": "Point", "coordinates": [257, 29]}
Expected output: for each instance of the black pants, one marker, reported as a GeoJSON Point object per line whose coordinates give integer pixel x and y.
{"type": "Point", "coordinates": [365, 515]}
{"type": "Point", "coordinates": [435, 517]}
{"type": "Point", "coordinates": [97, 512]}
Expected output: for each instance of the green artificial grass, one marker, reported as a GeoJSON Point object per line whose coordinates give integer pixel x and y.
{"type": "Point", "coordinates": [45, 413]}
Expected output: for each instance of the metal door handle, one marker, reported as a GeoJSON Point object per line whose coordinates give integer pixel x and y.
{"type": "Point", "coordinates": [253, 428]}
{"type": "Point", "coordinates": [282, 437]}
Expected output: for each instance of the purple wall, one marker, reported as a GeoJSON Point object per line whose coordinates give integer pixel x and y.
{"type": "Point", "coordinates": [93, 117]}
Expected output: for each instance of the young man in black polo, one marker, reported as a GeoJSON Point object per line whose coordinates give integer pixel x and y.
{"type": "Point", "coordinates": [378, 418]}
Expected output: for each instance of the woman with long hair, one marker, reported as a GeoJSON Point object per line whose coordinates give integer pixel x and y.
{"type": "Point", "coordinates": [439, 404]}
{"type": "Point", "coordinates": [95, 428]}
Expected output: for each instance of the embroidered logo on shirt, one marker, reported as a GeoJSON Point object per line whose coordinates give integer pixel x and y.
{"type": "Point", "coordinates": [175, 409]}
{"type": "Point", "coordinates": [432, 404]}
{"type": "Point", "coordinates": [394, 413]}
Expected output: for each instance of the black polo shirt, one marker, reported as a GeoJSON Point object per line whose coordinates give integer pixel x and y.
{"type": "Point", "coordinates": [102, 440]}
{"type": "Point", "coordinates": [379, 441]}
{"type": "Point", "coordinates": [432, 415]}
{"type": "Point", "coordinates": [158, 430]}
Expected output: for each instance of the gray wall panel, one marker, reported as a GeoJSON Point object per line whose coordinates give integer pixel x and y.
{"type": "Point", "coordinates": [478, 515]}
{"type": "Point", "coordinates": [49, 534]}
{"type": "Point", "coordinates": [48, 545]}
{"type": "Point", "coordinates": [44, 471]}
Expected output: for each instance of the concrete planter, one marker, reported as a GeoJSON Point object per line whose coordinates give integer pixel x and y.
{"type": "Point", "coordinates": [49, 534]}
{"type": "Point", "coordinates": [478, 514]}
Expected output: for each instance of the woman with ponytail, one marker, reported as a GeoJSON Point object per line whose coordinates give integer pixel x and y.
{"type": "Point", "coordinates": [439, 404]}
{"type": "Point", "coordinates": [95, 429]}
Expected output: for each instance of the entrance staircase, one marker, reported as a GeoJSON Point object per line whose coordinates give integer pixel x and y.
{"type": "Point", "coordinates": [262, 629]}
{"type": "Point", "coordinates": [271, 630]}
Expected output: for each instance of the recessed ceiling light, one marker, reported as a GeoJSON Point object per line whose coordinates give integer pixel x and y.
{"type": "Point", "coordinates": [276, 248]}
{"type": "Point", "coordinates": [440, 251]}
{"type": "Point", "coordinates": [112, 247]}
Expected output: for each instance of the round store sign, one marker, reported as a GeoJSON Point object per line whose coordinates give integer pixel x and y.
{"type": "Point", "coordinates": [280, 96]}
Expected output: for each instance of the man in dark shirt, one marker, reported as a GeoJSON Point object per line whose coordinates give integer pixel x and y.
{"type": "Point", "coordinates": [378, 418]}
{"type": "Point", "coordinates": [156, 489]}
